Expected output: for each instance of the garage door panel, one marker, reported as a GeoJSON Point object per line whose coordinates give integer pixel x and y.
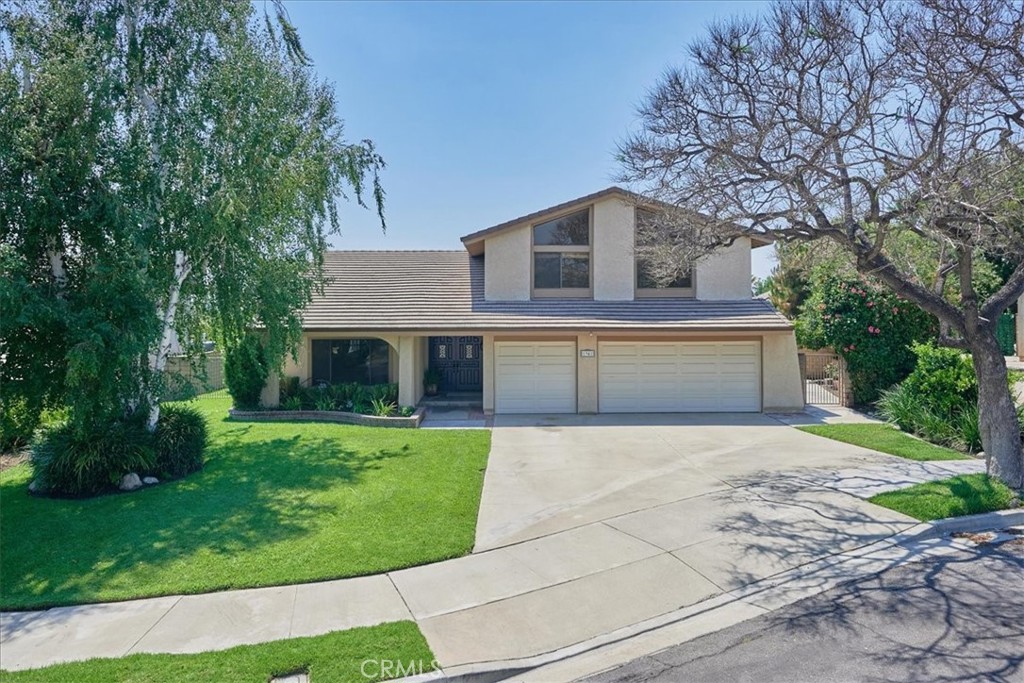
{"type": "Point", "coordinates": [535, 377]}
{"type": "Point", "coordinates": [679, 376]}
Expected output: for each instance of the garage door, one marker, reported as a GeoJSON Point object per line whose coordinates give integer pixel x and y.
{"type": "Point", "coordinates": [535, 377]}
{"type": "Point", "coordinates": [679, 377]}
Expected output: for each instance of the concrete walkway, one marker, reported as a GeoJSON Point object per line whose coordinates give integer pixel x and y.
{"type": "Point", "coordinates": [661, 530]}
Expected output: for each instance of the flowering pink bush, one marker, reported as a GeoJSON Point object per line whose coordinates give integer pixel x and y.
{"type": "Point", "coordinates": [870, 326]}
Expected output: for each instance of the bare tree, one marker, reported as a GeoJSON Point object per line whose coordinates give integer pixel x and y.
{"type": "Point", "coordinates": [861, 122]}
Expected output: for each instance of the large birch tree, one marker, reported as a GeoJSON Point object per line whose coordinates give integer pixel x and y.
{"type": "Point", "coordinates": [167, 168]}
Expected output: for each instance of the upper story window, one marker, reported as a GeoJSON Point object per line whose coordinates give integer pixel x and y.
{"type": "Point", "coordinates": [652, 280]}
{"type": "Point", "coordinates": [561, 257]}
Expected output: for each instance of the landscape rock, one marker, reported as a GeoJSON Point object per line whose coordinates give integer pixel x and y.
{"type": "Point", "coordinates": [149, 481]}
{"type": "Point", "coordinates": [130, 482]}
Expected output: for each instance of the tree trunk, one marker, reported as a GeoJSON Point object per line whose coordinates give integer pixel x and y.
{"type": "Point", "coordinates": [158, 360]}
{"type": "Point", "coordinates": [997, 414]}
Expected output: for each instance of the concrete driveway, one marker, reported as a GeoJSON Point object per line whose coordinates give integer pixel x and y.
{"type": "Point", "coordinates": [552, 473]}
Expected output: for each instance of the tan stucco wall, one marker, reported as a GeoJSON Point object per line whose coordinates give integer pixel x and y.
{"type": "Point", "coordinates": [725, 274]}
{"type": "Point", "coordinates": [586, 374]}
{"type": "Point", "coordinates": [780, 374]}
{"type": "Point", "coordinates": [270, 397]}
{"type": "Point", "coordinates": [612, 259]}
{"type": "Point", "coordinates": [488, 373]}
{"type": "Point", "coordinates": [409, 368]}
{"type": "Point", "coordinates": [507, 265]}
{"type": "Point", "coordinates": [1020, 328]}
{"type": "Point", "coordinates": [781, 389]}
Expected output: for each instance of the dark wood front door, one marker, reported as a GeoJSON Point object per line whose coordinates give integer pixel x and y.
{"type": "Point", "coordinates": [459, 361]}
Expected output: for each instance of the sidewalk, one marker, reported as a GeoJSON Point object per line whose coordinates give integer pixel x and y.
{"type": "Point", "coordinates": [521, 600]}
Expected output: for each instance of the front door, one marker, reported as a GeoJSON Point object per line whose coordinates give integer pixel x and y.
{"type": "Point", "coordinates": [459, 361]}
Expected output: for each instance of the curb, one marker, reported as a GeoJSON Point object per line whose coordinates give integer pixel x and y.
{"type": "Point", "coordinates": [827, 572]}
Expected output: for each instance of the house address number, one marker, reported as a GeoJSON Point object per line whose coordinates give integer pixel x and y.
{"type": "Point", "coordinates": [587, 353]}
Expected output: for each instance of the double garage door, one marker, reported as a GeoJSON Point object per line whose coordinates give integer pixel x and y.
{"type": "Point", "coordinates": [633, 377]}
{"type": "Point", "coordinates": [679, 377]}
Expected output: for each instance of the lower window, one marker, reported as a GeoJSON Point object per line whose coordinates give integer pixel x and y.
{"type": "Point", "coordinates": [554, 270]}
{"type": "Point", "coordinates": [336, 361]}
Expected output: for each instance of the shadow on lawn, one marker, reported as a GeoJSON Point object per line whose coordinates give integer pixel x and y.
{"type": "Point", "coordinates": [250, 493]}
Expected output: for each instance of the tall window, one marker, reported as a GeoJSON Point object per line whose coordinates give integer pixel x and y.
{"type": "Point", "coordinates": [650, 282]}
{"type": "Point", "coordinates": [561, 256]}
{"type": "Point", "coordinates": [336, 361]}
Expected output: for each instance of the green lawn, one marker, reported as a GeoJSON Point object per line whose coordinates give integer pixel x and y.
{"type": "Point", "coordinates": [886, 439]}
{"type": "Point", "coordinates": [336, 657]}
{"type": "Point", "coordinates": [968, 494]}
{"type": "Point", "coordinates": [277, 503]}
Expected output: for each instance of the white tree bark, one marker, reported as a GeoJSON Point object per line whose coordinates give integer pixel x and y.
{"type": "Point", "coordinates": [158, 359]}
{"type": "Point", "coordinates": [60, 274]}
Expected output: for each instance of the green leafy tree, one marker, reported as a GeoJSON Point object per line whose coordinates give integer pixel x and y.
{"type": "Point", "coordinates": [166, 166]}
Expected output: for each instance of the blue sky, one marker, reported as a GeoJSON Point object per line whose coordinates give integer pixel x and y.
{"type": "Point", "coordinates": [485, 111]}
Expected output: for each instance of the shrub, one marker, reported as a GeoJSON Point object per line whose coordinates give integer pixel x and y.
{"type": "Point", "coordinates": [943, 378]}
{"type": "Point", "coordinates": [245, 372]}
{"type": "Point", "coordinates": [180, 441]}
{"type": "Point", "coordinates": [18, 421]}
{"type": "Point", "coordinates": [869, 326]}
{"type": "Point", "coordinates": [384, 392]}
{"type": "Point", "coordinates": [900, 407]}
{"type": "Point", "coordinates": [289, 387]}
{"type": "Point", "coordinates": [383, 408]}
{"type": "Point", "coordinates": [292, 403]}
{"type": "Point", "coordinates": [938, 400]}
{"type": "Point", "coordinates": [83, 462]}
{"type": "Point", "coordinates": [967, 429]}
{"type": "Point", "coordinates": [325, 401]}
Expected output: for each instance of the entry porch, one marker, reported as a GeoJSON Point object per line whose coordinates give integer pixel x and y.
{"type": "Point", "coordinates": [333, 358]}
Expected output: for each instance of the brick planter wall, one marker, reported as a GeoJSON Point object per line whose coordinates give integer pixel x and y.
{"type": "Point", "coordinates": [411, 422]}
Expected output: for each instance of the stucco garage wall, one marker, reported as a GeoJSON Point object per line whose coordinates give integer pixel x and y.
{"type": "Point", "coordinates": [507, 265]}
{"type": "Point", "coordinates": [781, 372]}
{"type": "Point", "coordinates": [725, 274]}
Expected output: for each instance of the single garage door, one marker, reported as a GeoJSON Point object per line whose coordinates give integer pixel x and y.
{"type": "Point", "coordinates": [535, 377]}
{"type": "Point", "coordinates": [679, 377]}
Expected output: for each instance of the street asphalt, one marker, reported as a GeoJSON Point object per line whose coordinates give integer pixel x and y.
{"type": "Point", "coordinates": [953, 618]}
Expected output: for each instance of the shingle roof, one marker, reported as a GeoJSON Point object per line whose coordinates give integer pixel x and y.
{"type": "Point", "coordinates": [444, 290]}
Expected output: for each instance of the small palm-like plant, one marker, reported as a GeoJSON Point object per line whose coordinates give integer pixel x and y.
{"type": "Point", "coordinates": [325, 401]}
{"type": "Point", "coordinates": [382, 407]}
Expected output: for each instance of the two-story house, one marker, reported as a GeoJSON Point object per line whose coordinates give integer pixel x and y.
{"type": "Point", "coordinates": [552, 313]}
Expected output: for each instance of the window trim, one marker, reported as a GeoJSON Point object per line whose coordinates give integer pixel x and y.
{"type": "Point", "coordinates": [588, 249]}
{"type": "Point", "coordinates": [658, 292]}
